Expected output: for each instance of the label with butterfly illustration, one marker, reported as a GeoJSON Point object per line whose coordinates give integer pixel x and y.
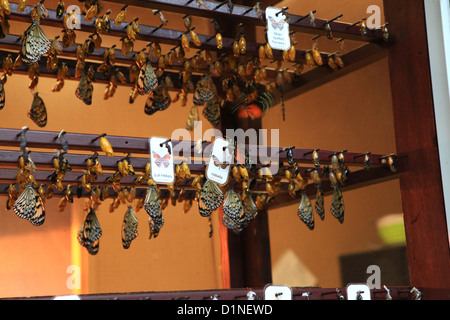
{"type": "Point", "coordinates": [161, 160]}
{"type": "Point", "coordinates": [218, 169]}
{"type": "Point", "coordinates": [277, 29]}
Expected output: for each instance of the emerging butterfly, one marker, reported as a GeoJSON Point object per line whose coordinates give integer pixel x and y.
{"type": "Point", "coordinates": [217, 163]}
{"type": "Point", "coordinates": [165, 161]}
{"type": "Point", "coordinates": [85, 89]}
{"type": "Point", "coordinates": [90, 232]}
{"type": "Point", "coordinates": [29, 206]}
{"type": "Point", "coordinates": [147, 80]}
{"type": "Point", "coordinates": [34, 41]}
{"type": "Point", "coordinates": [277, 24]}
{"type": "Point", "coordinates": [129, 227]}
{"type": "Point", "coordinates": [38, 111]}
{"type": "Point", "coordinates": [305, 211]}
{"type": "Point", "coordinates": [210, 198]}
{"type": "Point", "coordinates": [154, 208]}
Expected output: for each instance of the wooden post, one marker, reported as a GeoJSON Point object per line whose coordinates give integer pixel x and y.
{"type": "Point", "coordinates": [249, 252]}
{"type": "Point", "coordinates": [426, 231]}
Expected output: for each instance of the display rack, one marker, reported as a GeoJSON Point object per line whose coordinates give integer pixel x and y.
{"type": "Point", "coordinates": [393, 293]}
{"type": "Point", "coordinates": [417, 155]}
{"type": "Point", "coordinates": [138, 148]}
{"type": "Point", "coordinates": [372, 48]}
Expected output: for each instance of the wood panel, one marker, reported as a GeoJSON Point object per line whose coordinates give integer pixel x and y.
{"type": "Point", "coordinates": [415, 130]}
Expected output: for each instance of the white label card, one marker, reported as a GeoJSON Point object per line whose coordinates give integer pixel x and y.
{"type": "Point", "coordinates": [277, 29]}
{"type": "Point", "coordinates": [161, 160]}
{"type": "Point", "coordinates": [358, 292]}
{"type": "Point", "coordinates": [277, 293]}
{"type": "Point", "coordinates": [218, 169]}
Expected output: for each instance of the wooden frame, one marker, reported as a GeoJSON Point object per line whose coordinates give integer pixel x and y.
{"type": "Point", "coordinates": [427, 241]}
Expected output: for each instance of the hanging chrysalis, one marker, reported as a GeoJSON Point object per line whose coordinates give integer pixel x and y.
{"type": "Point", "coordinates": [385, 32]}
{"type": "Point", "coordinates": [391, 163]}
{"type": "Point", "coordinates": [332, 63]}
{"type": "Point", "coordinates": [328, 31]}
{"type": "Point", "coordinates": [219, 40]}
{"type": "Point", "coordinates": [60, 10]}
{"type": "Point", "coordinates": [129, 227]}
{"type": "Point", "coordinates": [106, 21]}
{"type": "Point", "coordinates": [292, 52]}
{"type": "Point", "coordinates": [2, 95]}
{"type": "Point", "coordinates": [193, 117]}
{"type": "Point", "coordinates": [194, 37]}
{"type": "Point", "coordinates": [366, 161]}
{"type": "Point", "coordinates": [12, 196]}
{"type": "Point", "coordinates": [29, 206]}
{"type": "Point", "coordinates": [22, 5]}
{"type": "Point", "coordinates": [305, 211]}
{"type": "Point", "coordinates": [338, 61]}
{"type": "Point", "coordinates": [5, 7]}
{"type": "Point", "coordinates": [90, 232]}
{"type": "Point", "coordinates": [316, 55]}
{"type": "Point", "coordinates": [153, 208]}
{"type": "Point", "coordinates": [242, 45]}
{"type": "Point", "coordinates": [268, 51]}
{"type": "Point", "coordinates": [309, 59]}
{"type": "Point", "coordinates": [236, 49]}
{"type": "Point", "coordinates": [131, 32]}
{"type": "Point", "coordinates": [298, 69]}
{"type": "Point", "coordinates": [105, 145]}
{"type": "Point", "coordinates": [69, 37]}
{"type": "Point", "coordinates": [363, 27]}
{"type": "Point", "coordinates": [312, 19]}
{"type": "Point", "coordinates": [91, 13]}
{"type": "Point", "coordinates": [38, 111]}
{"type": "Point", "coordinates": [121, 16]}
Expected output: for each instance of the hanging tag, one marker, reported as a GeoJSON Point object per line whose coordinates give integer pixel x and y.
{"type": "Point", "coordinates": [161, 159]}
{"type": "Point", "coordinates": [218, 169]}
{"type": "Point", "coordinates": [358, 292]}
{"type": "Point", "coordinates": [277, 29]}
{"type": "Point", "coordinates": [277, 293]}
{"type": "Point", "coordinates": [69, 297]}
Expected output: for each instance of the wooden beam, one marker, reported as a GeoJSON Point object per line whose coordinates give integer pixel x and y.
{"type": "Point", "coordinates": [427, 237]}
{"type": "Point", "coordinates": [357, 179]}
{"type": "Point", "coordinates": [135, 145]}
{"type": "Point", "coordinates": [236, 294]}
